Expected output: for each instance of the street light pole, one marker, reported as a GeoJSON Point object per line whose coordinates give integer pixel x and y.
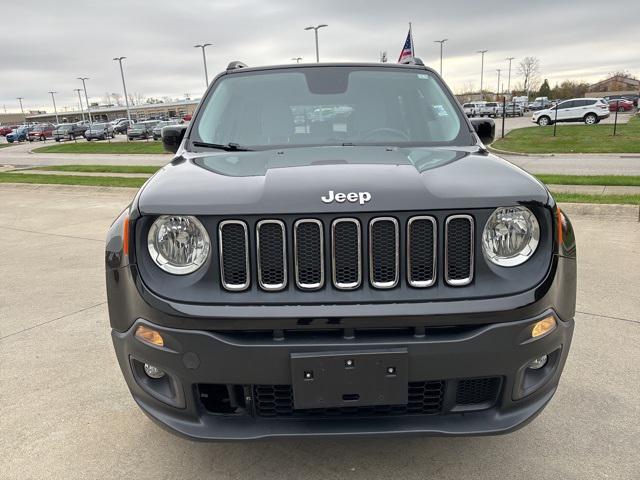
{"type": "Point", "coordinates": [482, 52]}
{"type": "Point", "coordinates": [204, 60]}
{"type": "Point", "coordinates": [86, 97]}
{"type": "Point", "coordinates": [509, 78]}
{"type": "Point", "coordinates": [55, 109]}
{"type": "Point", "coordinates": [124, 86]}
{"type": "Point", "coordinates": [21, 109]}
{"type": "Point", "coordinates": [498, 90]}
{"type": "Point", "coordinates": [297, 59]}
{"type": "Point", "coordinates": [441, 42]}
{"type": "Point", "coordinates": [80, 100]}
{"type": "Point", "coordinates": [315, 29]}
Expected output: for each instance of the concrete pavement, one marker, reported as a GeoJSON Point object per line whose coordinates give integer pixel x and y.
{"type": "Point", "coordinates": [65, 412]}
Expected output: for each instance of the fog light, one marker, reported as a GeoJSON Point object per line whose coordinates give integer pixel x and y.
{"type": "Point", "coordinates": [543, 326]}
{"type": "Point", "coordinates": [148, 335]}
{"type": "Point", "coordinates": [154, 372]}
{"type": "Point", "coordinates": [535, 364]}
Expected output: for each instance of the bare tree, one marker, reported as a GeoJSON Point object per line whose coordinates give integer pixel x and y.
{"type": "Point", "coordinates": [117, 99]}
{"type": "Point", "coordinates": [529, 70]}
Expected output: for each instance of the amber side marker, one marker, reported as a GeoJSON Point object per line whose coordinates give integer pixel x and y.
{"type": "Point", "coordinates": [543, 326]}
{"type": "Point", "coordinates": [125, 236]}
{"type": "Point", "coordinates": [148, 335]}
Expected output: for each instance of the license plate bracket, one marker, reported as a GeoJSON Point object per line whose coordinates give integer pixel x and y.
{"type": "Point", "coordinates": [350, 379]}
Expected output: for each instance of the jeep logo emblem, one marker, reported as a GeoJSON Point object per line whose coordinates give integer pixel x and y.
{"type": "Point", "coordinates": [352, 197]}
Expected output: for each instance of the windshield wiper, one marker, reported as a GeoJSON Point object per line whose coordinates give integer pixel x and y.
{"type": "Point", "coordinates": [229, 147]}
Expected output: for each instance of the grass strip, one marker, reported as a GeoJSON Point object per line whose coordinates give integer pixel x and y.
{"type": "Point", "coordinates": [574, 139]}
{"type": "Point", "coordinates": [100, 168]}
{"type": "Point", "coordinates": [104, 147]}
{"type": "Point", "coordinates": [72, 180]}
{"type": "Point", "coordinates": [584, 198]}
{"type": "Point", "coordinates": [608, 180]}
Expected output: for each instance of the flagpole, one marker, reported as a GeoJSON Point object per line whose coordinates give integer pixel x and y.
{"type": "Point", "coordinates": [413, 53]}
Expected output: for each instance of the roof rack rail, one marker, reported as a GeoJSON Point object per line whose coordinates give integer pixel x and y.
{"type": "Point", "coordinates": [235, 65]}
{"type": "Point", "coordinates": [412, 61]}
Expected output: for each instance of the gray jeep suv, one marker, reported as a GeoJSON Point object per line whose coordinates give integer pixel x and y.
{"type": "Point", "coordinates": [333, 251]}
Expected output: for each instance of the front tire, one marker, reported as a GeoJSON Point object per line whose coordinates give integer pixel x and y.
{"type": "Point", "coordinates": [544, 121]}
{"type": "Point", "coordinates": [590, 119]}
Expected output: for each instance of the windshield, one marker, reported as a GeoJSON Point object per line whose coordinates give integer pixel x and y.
{"type": "Point", "coordinates": [328, 106]}
{"type": "Point", "coordinates": [98, 126]}
{"type": "Point", "coordinates": [64, 128]}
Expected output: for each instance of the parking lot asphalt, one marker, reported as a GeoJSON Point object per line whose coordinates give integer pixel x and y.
{"type": "Point", "coordinates": [65, 412]}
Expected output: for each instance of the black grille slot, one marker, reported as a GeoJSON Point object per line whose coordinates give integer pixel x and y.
{"type": "Point", "coordinates": [234, 253]}
{"type": "Point", "coordinates": [425, 398]}
{"type": "Point", "coordinates": [383, 252]}
{"type": "Point", "coordinates": [421, 251]}
{"type": "Point", "coordinates": [459, 250]}
{"type": "Point", "coordinates": [309, 254]}
{"type": "Point", "coordinates": [272, 262]}
{"type": "Point", "coordinates": [478, 391]}
{"type": "Point", "coordinates": [347, 253]}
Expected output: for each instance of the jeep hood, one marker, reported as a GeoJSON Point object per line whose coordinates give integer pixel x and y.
{"type": "Point", "coordinates": [292, 180]}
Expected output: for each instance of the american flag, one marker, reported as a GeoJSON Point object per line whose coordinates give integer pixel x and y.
{"type": "Point", "coordinates": [407, 50]}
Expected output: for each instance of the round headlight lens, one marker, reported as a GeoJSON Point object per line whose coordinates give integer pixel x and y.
{"type": "Point", "coordinates": [510, 236]}
{"type": "Point", "coordinates": [178, 244]}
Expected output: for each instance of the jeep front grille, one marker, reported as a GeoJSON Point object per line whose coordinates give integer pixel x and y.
{"type": "Point", "coordinates": [308, 236]}
{"type": "Point", "coordinates": [384, 252]}
{"type": "Point", "coordinates": [458, 244]}
{"type": "Point", "coordinates": [234, 254]}
{"type": "Point", "coordinates": [346, 253]}
{"type": "Point", "coordinates": [272, 254]}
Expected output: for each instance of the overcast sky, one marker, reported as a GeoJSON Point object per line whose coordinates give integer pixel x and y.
{"type": "Point", "coordinates": [47, 44]}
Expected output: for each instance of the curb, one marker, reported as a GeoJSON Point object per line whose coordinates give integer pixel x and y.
{"type": "Point", "coordinates": [628, 213]}
{"type": "Point", "coordinates": [515, 154]}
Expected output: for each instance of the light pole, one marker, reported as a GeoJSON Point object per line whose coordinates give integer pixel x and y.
{"type": "Point", "coordinates": [509, 77]}
{"type": "Point", "coordinates": [86, 97]}
{"type": "Point", "coordinates": [482, 52]}
{"type": "Point", "coordinates": [80, 100]}
{"type": "Point", "coordinates": [21, 109]}
{"type": "Point", "coordinates": [55, 109]}
{"type": "Point", "coordinates": [296, 59]}
{"type": "Point", "coordinates": [498, 90]}
{"type": "Point", "coordinates": [441, 42]}
{"type": "Point", "coordinates": [315, 29]}
{"type": "Point", "coordinates": [204, 60]}
{"type": "Point", "coordinates": [124, 86]}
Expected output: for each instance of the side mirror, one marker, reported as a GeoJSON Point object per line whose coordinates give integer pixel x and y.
{"type": "Point", "coordinates": [172, 136]}
{"type": "Point", "coordinates": [485, 128]}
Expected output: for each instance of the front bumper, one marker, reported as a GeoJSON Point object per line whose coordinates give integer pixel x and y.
{"type": "Point", "coordinates": [198, 360]}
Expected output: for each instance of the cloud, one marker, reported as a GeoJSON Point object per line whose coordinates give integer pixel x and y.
{"type": "Point", "coordinates": [48, 50]}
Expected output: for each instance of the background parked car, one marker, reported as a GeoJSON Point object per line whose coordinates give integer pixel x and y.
{"type": "Point", "coordinates": [121, 126]}
{"type": "Point", "coordinates": [510, 110]}
{"type": "Point", "coordinates": [41, 132]}
{"type": "Point", "coordinates": [99, 131]}
{"type": "Point", "coordinates": [69, 131]}
{"type": "Point", "coordinates": [141, 130]}
{"type": "Point", "coordinates": [620, 104]}
{"type": "Point", "coordinates": [587, 110]}
{"type": "Point", "coordinates": [472, 109]}
{"type": "Point", "coordinates": [7, 129]}
{"type": "Point", "coordinates": [19, 134]}
{"type": "Point", "coordinates": [490, 109]}
{"type": "Point", "coordinates": [157, 130]}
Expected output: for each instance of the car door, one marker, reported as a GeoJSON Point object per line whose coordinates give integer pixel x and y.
{"type": "Point", "coordinates": [564, 111]}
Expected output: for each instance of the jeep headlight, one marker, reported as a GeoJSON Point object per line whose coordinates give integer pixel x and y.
{"type": "Point", "coordinates": [510, 236]}
{"type": "Point", "coordinates": [178, 244]}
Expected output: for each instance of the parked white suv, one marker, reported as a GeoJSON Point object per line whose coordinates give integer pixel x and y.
{"type": "Point", "coordinates": [587, 110]}
{"type": "Point", "coordinates": [490, 109]}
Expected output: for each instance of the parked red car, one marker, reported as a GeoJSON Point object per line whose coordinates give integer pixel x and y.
{"type": "Point", "coordinates": [621, 105]}
{"type": "Point", "coordinates": [41, 132]}
{"type": "Point", "coordinates": [6, 129]}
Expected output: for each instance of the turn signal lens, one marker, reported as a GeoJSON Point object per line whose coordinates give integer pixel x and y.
{"type": "Point", "coordinates": [148, 335]}
{"type": "Point", "coordinates": [543, 326]}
